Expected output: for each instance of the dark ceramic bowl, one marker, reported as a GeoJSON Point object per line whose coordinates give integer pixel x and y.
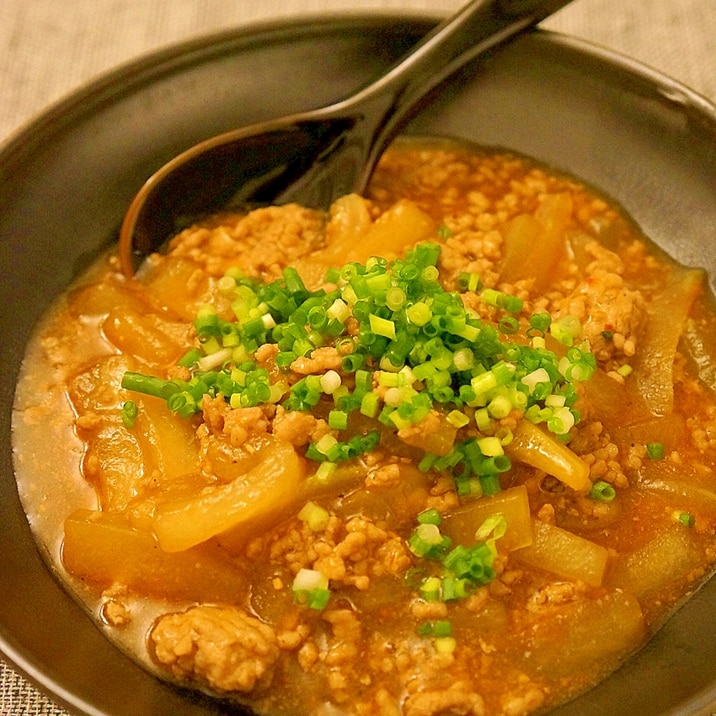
{"type": "Point", "coordinates": [66, 181]}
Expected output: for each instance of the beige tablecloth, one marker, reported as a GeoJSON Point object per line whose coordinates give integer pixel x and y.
{"type": "Point", "coordinates": [49, 48]}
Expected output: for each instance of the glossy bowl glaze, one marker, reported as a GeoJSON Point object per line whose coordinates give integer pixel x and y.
{"type": "Point", "coordinates": [67, 179]}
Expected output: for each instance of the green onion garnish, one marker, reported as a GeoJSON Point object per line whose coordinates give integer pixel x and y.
{"type": "Point", "coordinates": [129, 414]}
{"type": "Point", "coordinates": [685, 518]}
{"type": "Point", "coordinates": [310, 588]}
{"type": "Point", "coordinates": [315, 516]}
{"type": "Point", "coordinates": [602, 491]}
{"type": "Point", "coordinates": [405, 346]}
{"type": "Point", "coordinates": [655, 451]}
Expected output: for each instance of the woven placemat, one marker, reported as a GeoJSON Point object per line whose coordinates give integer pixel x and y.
{"type": "Point", "coordinates": [20, 698]}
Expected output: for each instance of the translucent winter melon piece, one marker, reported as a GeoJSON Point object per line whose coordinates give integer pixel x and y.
{"type": "Point", "coordinates": [102, 547]}
{"type": "Point", "coordinates": [666, 559]}
{"type": "Point", "coordinates": [168, 442]}
{"type": "Point", "coordinates": [533, 446]}
{"type": "Point", "coordinates": [177, 284]}
{"type": "Point", "coordinates": [399, 228]}
{"type": "Point", "coordinates": [535, 245]}
{"type": "Point", "coordinates": [584, 635]}
{"type": "Point", "coordinates": [462, 523]}
{"type": "Point", "coordinates": [267, 489]}
{"type": "Point", "coordinates": [143, 335]}
{"type": "Point", "coordinates": [565, 554]}
{"type": "Point", "coordinates": [113, 463]}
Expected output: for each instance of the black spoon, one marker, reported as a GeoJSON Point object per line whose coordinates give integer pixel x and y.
{"type": "Point", "coordinates": [314, 157]}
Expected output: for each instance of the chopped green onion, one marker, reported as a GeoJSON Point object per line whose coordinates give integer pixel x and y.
{"type": "Point", "coordinates": [214, 360]}
{"type": "Point", "coordinates": [566, 329]}
{"type": "Point", "coordinates": [310, 588]}
{"type": "Point", "coordinates": [393, 325]}
{"type": "Point", "coordinates": [315, 516]}
{"type": "Point", "coordinates": [424, 539]}
{"type": "Point", "coordinates": [338, 420]}
{"type": "Point", "coordinates": [537, 376]}
{"type": "Point", "coordinates": [419, 313]}
{"type": "Point", "coordinates": [382, 326]}
{"type": "Point", "coordinates": [430, 589]}
{"type": "Point", "coordinates": [495, 298]}
{"type": "Point", "coordinates": [655, 451]}
{"type": "Point", "coordinates": [369, 405]}
{"type": "Point", "coordinates": [469, 282]}
{"type": "Point", "coordinates": [490, 484]}
{"type": "Point", "coordinates": [602, 491]}
{"type": "Point", "coordinates": [444, 232]}
{"type": "Point", "coordinates": [439, 628]}
{"type": "Point", "coordinates": [427, 541]}
{"type": "Point", "coordinates": [129, 414]}
{"type": "Point", "coordinates": [326, 443]}
{"type": "Point", "coordinates": [463, 359]}
{"type": "Point", "coordinates": [325, 471]}
{"type": "Point", "coordinates": [430, 517]}
{"type": "Point", "coordinates": [490, 446]}
{"type": "Point", "coordinates": [483, 419]}
{"type": "Point", "coordinates": [190, 358]}
{"type": "Point", "coordinates": [494, 527]}
{"type": "Point", "coordinates": [330, 382]}
{"type": "Point", "coordinates": [508, 325]}
{"type": "Point", "coordinates": [499, 407]}
{"type": "Point", "coordinates": [539, 324]}
{"type": "Point", "coordinates": [147, 384]}
{"type": "Point", "coordinates": [685, 518]}
{"type": "Point", "coordinates": [333, 275]}
{"type": "Point", "coordinates": [445, 645]}
{"type": "Point", "coordinates": [457, 419]}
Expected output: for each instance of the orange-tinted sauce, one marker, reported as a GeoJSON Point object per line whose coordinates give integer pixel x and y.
{"type": "Point", "coordinates": [142, 519]}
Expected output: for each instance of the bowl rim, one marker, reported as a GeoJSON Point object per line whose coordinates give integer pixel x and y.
{"type": "Point", "coordinates": [130, 74]}
{"type": "Point", "coordinates": [160, 60]}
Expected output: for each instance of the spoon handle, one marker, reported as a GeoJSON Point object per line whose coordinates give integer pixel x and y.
{"type": "Point", "coordinates": [478, 27]}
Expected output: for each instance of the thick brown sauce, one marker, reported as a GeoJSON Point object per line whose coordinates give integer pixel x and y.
{"type": "Point", "coordinates": [530, 639]}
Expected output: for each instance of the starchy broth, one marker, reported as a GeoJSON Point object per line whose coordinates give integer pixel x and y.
{"type": "Point", "coordinates": [468, 477]}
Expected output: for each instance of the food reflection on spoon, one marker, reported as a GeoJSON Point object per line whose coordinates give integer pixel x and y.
{"type": "Point", "coordinates": [316, 156]}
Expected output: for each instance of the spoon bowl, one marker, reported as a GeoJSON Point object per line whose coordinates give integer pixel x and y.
{"type": "Point", "coordinates": [314, 157]}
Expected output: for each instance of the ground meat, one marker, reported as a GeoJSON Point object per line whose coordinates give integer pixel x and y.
{"type": "Point", "coordinates": [433, 609]}
{"type": "Point", "coordinates": [598, 450]}
{"type": "Point", "coordinates": [320, 361]}
{"type": "Point", "coordinates": [261, 243]}
{"type": "Point", "coordinates": [555, 593]}
{"type": "Point", "coordinates": [523, 701]}
{"type": "Point", "coordinates": [266, 354]}
{"type": "Point", "coordinates": [350, 553]}
{"type": "Point", "coordinates": [385, 476]}
{"type": "Point", "coordinates": [346, 628]}
{"type": "Point", "coordinates": [469, 251]}
{"type": "Point", "coordinates": [417, 433]}
{"type": "Point", "coordinates": [298, 427]}
{"type": "Point", "coordinates": [115, 608]}
{"type": "Point", "coordinates": [224, 647]}
{"type": "Point", "coordinates": [236, 423]}
{"type": "Point", "coordinates": [457, 700]}
{"type": "Point", "coordinates": [365, 551]}
{"type": "Point", "coordinates": [611, 313]}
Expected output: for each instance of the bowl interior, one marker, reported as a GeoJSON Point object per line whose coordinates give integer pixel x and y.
{"type": "Point", "coordinates": [66, 181]}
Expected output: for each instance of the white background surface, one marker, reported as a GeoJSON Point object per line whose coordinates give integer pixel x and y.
{"type": "Point", "coordinates": [49, 48]}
